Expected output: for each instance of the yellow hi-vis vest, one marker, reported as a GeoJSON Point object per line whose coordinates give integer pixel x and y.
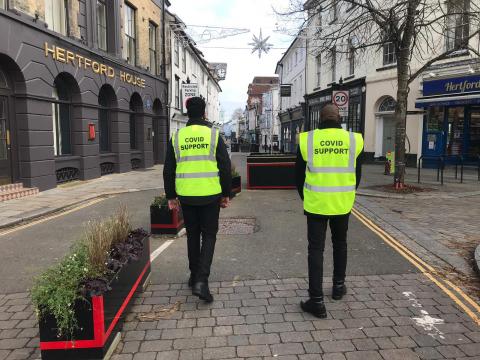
{"type": "Point", "coordinates": [331, 157]}
{"type": "Point", "coordinates": [197, 171]}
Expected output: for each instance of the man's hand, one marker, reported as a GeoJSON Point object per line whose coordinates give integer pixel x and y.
{"type": "Point", "coordinates": [173, 204]}
{"type": "Point", "coordinates": [224, 202]}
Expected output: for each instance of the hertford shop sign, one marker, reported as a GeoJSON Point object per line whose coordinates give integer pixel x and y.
{"type": "Point", "coordinates": [69, 57]}
{"type": "Point", "coordinates": [460, 85]}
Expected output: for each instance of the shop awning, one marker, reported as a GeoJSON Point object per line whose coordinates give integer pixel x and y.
{"type": "Point", "coordinates": [456, 100]}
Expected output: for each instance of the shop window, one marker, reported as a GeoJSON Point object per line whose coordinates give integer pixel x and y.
{"type": "Point", "coordinates": [56, 15]}
{"type": "Point", "coordinates": [435, 118]}
{"type": "Point", "coordinates": [61, 116]}
{"type": "Point", "coordinates": [389, 54]}
{"type": "Point", "coordinates": [457, 24]}
{"type": "Point", "coordinates": [456, 128]}
{"type": "Point", "coordinates": [130, 36]}
{"type": "Point", "coordinates": [152, 38]}
{"type": "Point", "coordinates": [106, 101]}
{"type": "Point", "coordinates": [102, 24]}
{"type": "Point", "coordinates": [3, 81]}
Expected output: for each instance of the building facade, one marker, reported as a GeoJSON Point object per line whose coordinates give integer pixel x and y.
{"type": "Point", "coordinates": [291, 70]}
{"type": "Point", "coordinates": [441, 114]}
{"type": "Point", "coordinates": [187, 65]}
{"type": "Point", "coordinates": [82, 89]}
{"type": "Point", "coordinates": [269, 120]}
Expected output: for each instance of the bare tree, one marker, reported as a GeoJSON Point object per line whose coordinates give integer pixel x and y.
{"type": "Point", "coordinates": [421, 33]}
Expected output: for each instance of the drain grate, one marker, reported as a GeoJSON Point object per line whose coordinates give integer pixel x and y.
{"type": "Point", "coordinates": [237, 226]}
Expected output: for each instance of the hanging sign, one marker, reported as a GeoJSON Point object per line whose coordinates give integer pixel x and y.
{"type": "Point", "coordinates": [188, 91]}
{"type": "Point", "coordinates": [341, 99]}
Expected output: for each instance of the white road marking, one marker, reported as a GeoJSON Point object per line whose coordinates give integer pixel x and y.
{"type": "Point", "coordinates": [426, 322]}
{"type": "Point", "coordinates": [161, 249]}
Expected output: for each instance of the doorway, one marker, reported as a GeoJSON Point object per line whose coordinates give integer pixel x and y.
{"type": "Point", "coordinates": [5, 144]}
{"type": "Point", "coordinates": [388, 134]}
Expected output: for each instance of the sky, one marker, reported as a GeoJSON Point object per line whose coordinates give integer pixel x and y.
{"type": "Point", "coordinates": [242, 64]}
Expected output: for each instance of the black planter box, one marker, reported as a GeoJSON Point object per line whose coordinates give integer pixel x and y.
{"type": "Point", "coordinates": [99, 318]}
{"type": "Point", "coordinates": [271, 172]}
{"type": "Point", "coordinates": [236, 185]}
{"type": "Point", "coordinates": [165, 221]}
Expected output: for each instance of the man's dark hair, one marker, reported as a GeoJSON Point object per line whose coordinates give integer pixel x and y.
{"type": "Point", "coordinates": [196, 107]}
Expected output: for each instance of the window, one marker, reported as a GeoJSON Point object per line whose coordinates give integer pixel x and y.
{"type": "Point", "coordinates": [457, 24]}
{"type": "Point", "coordinates": [319, 69]}
{"type": "Point", "coordinates": [387, 105]}
{"type": "Point", "coordinates": [333, 54]}
{"type": "Point", "coordinates": [351, 57]}
{"type": "Point", "coordinates": [106, 101]}
{"type": "Point", "coordinates": [334, 10]}
{"type": "Point", "coordinates": [300, 86]}
{"type": "Point", "coordinates": [102, 24]}
{"type": "Point", "coordinates": [389, 54]}
{"type": "Point", "coordinates": [130, 46]}
{"type": "Point", "coordinates": [203, 78]}
{"type": "Point", "coordinates": [56, 15]}
{"type": "Point", "coordinates": [136, 107]}
{"type": "Point", "coordinates": [61, 113]}
{"type": "Point", "coordinates": [152, 38]}
{"type": "Point", "coordinates": [184, 59]}
{"type": "Point", "coordinates": [177, 92]}
{"type": "Point", "coordinates": [296, 57]}
{"type": "Point", "coordinates": [176, 56]}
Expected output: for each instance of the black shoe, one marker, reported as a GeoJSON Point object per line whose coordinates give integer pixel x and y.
{"type": "Point", "coordinates": [201, 290]}
{"type": "Point", "coordinates": [316, 308]}
{"type": "Point", "coordinates": [338, 291]}
{"type": "Point", "coordinates": [190, 281]}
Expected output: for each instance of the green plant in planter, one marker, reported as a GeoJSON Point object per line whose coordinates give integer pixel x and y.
{"type": "Point", "coordinates": [160, 201]}
{"type": "Point", "coordinates": [234, 172]}
{"type": "Point", "coordinates": [56, 291]}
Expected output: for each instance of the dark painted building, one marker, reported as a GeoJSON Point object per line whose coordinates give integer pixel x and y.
{"type": "Point", "coordinates": [82, 89]}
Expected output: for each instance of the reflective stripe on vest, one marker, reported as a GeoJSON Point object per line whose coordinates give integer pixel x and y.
{"type": "Point", "coordinates": [332, 170]}
{"type": "Point", "coordinates": [205, 175]}
{"type": "Point", "coordinates": [330, 189]}
{"type": "Point", "coordinates": [211, 157]}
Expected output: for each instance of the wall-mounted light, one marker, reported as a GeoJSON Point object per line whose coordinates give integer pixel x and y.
{"type": "Point", "coordinates": [432, 74]}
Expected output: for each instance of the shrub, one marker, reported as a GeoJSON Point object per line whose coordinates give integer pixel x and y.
{"type": "Point", "coordinates": [234, 171]}
{"type": "Point", "coordinates": [159, 201]}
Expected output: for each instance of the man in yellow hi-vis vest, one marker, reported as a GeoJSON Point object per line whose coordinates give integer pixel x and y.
{"type": "Point", "coordinates": [197, 176]}
{"type": "Point", "coordinates": [327, 177]}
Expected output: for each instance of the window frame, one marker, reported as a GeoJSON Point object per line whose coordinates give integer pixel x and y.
{"type": "Point", "coordinates": [153, 52]}
{"type": "Point", "coordinates": [177, 92]}
{"type": "Point", "coordinates": [389, 57]}
{"type": "Point", "coordinates": [333, 65]}
{"type": "Point", "coordinates": [318, 64]}
{"type": "Point", "coordinates": [59, 105]}
{"type": "Point", "coordinates": [130, 42]}
{"type": "Point", "coordinates": [99, 26]}
{"type": "Point", "coordinates": [461, 32]}
{"type": "Point", "coordinates": [63, 17]}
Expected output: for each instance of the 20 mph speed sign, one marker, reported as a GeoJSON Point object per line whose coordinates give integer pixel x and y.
{"type": "Point", "coordinates": [341, 99]}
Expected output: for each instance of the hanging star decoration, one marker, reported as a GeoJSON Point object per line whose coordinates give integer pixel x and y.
{"type": "Point", "coordinates": [260, 44]}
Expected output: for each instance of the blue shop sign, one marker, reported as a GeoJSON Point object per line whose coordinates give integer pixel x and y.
{"type": "Point", "coordinates": [460, 85]}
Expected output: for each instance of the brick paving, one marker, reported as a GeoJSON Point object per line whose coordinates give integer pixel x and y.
{"type": "Point", "coordinates": [380, 318]}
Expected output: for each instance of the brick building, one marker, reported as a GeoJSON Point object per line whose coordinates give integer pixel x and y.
{"type": "Point", "coordinates": [82, 89]}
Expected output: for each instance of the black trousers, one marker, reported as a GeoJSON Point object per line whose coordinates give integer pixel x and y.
{"type": "Point", "coordinates": [201, 223]}
{"type": "Point", "coordinates": [317, 231]}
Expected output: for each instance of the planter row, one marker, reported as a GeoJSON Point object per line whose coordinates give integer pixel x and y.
{"type": "Point", "coordinates": [270, 172]}
{"type": "Point", "coordinates": [99, 317]}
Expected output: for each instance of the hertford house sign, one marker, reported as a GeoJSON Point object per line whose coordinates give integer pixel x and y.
{"type": "Point", "coordinates": [69, 57]}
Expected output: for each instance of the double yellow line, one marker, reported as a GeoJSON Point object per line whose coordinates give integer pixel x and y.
{"type": "Point", "coordinates": [453, 291]}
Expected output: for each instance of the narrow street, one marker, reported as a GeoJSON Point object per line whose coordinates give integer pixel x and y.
{"type": "Point", "coordinates": [392, 311]}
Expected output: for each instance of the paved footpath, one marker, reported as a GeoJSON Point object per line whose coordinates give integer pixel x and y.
{"type": "Point", "coordinates": [392, 310]}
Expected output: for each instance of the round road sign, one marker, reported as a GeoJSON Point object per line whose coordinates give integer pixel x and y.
{"type": "Point", "coordinates": [340, 98]}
